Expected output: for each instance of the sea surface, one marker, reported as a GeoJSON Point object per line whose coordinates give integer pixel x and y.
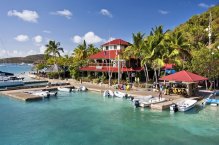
{"type": "Point", "coordinates": [88, 118]}
{"type": "Point", "coordinates": [15, 68]}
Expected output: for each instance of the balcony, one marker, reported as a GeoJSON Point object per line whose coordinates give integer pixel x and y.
{"type": "Point", "coordinates": [100, 64]}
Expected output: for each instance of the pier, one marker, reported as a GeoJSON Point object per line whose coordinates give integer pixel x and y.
{"type": "Point", "coordinates": [22, 95]}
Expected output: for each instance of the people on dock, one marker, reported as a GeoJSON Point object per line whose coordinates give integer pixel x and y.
{"type": "Point", "coordinates": [160, 91]}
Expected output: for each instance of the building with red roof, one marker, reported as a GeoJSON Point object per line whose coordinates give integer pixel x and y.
{"type": "Point", "coordinates": [109, 59]}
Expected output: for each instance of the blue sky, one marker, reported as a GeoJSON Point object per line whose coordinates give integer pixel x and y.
{"type": "Point", "coordinates": [27, 25]}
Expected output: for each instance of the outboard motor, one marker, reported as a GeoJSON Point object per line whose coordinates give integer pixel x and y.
{"type": "Point", "coordinates": [175, 108]}
{"type": "Point", "coordinates": [137, 103]}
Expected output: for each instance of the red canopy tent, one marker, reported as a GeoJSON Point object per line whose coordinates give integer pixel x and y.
{"type": "Point", "coordinates": [183, 76]}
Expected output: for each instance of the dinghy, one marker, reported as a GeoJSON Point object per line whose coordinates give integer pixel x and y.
{"type": "Point", "coordinates": [186, 104]}
{"type": "Point", "coordinates": [152, 100]}
{"type": "Point", "coordinates": [120, 94]}
{"type": "Point", "coordinates": [43, 94]}
{"type": "Point", "coordinates": [82, 88]}
{"type": "Point", "coordinates": [108, 93]}
{"type": "Point", "coordinates": [53, 94]}
{"type": "Point", "coordinates": [64, 89]}
{"type": "Point", "coordinates": [213, 99]}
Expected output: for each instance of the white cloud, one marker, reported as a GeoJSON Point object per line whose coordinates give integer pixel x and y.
{"type": "Point", "coordinates": [47, 31]}
{"type": "Point", "coordinates": [42, 49]}
{"type": "Point", "coordinates": [89, 37]}
{"type": "Point", "coordinates": [38, 39]}
{"type": "Point", "coordinates": [66, 13]}
{"type": "Point", "coordinates": [77, 39]}
{"type": "Point", "coordinates": [203, 5]}
{"type": "Point", "coordinates": [26, 15]}
{"type": "Point", "coordinates": [21, 38]}
{"type": "Point", "coordinates": [163, 12]}
{"type": "Point", "coordinates": [106, 12]}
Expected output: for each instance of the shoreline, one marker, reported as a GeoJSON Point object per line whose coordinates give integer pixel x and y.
{"type": "Point", "coordinates": [134, 92]}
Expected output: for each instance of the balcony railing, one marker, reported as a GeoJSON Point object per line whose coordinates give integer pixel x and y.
{"type": "Point", "coordinates": [100, 64]}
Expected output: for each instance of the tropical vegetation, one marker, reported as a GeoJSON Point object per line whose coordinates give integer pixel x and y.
{"type": "Point", "coordinates": [187, 47]}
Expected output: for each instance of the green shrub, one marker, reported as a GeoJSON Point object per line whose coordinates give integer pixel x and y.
{"type": "Point", "coordinates": [53, 75]}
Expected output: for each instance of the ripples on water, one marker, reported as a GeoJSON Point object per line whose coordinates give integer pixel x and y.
{"type": "Point", "coordinates": [88, 118]}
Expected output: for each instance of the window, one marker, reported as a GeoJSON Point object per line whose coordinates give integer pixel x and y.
{"type": "Point", "coordinates": [107, 47]}
{"type": "Point", "coordinates": [115, 47]}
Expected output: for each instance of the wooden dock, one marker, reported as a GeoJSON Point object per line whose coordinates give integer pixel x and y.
{"type": "Point", "coordinates": [162, 105]}
{"type": "Point", "coordinates": [22, 95]}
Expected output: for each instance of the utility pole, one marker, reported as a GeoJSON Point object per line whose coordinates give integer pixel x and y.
{"type": "Point", "coordinates": [209, 31]}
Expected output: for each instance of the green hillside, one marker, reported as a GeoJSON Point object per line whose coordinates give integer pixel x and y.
{"type": "Point", "coordinates": [27, 59]}
{"type": "Point", "coordinates": [195, 28]}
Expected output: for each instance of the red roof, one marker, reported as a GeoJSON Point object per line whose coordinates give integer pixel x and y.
{"type": "Point", "coordinates": [107, 54]}
{"type": "Point", "coordinates": [107, 69]}
{"type": "Point", "coordinates": [117, 42]}
{"type": "Point", "coordinates": [183, 76]}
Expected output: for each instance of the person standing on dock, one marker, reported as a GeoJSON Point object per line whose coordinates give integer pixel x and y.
{"type": "Point", "coordinates": [160, 91]}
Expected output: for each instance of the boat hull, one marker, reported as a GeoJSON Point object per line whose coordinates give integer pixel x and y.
{"type": "Point", "coordinates": [186, 105]}
{"type": "Point", "coordinates": [11, 83]}
{"type": "Point", "coordinates": [64, 89]}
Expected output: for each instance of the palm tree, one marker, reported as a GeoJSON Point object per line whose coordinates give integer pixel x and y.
{"type": "Point", "coordinates": [80, 53]}
{"type": "Point", "coordinates": [158, 47]}
{"type": "Point", "coordinates": [53, 49]}
{"type": "Point", "coordinates": [146, 55]}
{"type": "Point", "coordinates": [179, 50]}
{"type": "Point", "coordinates": [91, 50]}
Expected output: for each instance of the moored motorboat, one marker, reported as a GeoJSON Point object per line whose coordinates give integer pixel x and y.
{"type": "Point", "coordinates": [43, 94]}
{"type": "Point", "coordinates": [213, 99]}
{"type": "Point", "coordinates": [152, 100]}
{"type": "Point", "coordinates": [186, 104]}
{"type": "Point", "coordinates": [53, 94]}
{"type": "Point", "coordinates": [82, 88]}
{"type": "Point", "coordinates": [64, 89]}
{"type": "Point", "coordinates": [108, 93]}
{"type": "Point", "coordinates": [120, 94]}
{"type": "Point", "coordinates": [9, 80]}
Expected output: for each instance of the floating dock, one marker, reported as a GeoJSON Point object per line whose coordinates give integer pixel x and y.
{"type": "Point", "coordinates": [22, 95]}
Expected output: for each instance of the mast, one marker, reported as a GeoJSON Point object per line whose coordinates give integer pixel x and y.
{"type": "Point", "coordinates": [109, 60]}
{"type": "Point", "coordinates": [118, 67]}
{"type": "Point", "coordinates": [209, 31]}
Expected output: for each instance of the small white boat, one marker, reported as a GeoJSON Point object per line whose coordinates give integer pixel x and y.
{"type": "Point", "coordinates": [186, 104]}
{"type": "Point", "coordinates": [82, 88]}
{"type": "Point", "coordinates": [75, 90]}
{"type": "Point", "coordinates": [120, 94]}
{"type": "Point", "coordinates": [41, 93]}
{"type": "Point", "coordinates": [108, 93]}
{"type": "Point", "coordinates": [64, 89]}
{"type": "Point", "coordinates": [53, 94]}
{"type": "Point", "coordinates": [152, 100]}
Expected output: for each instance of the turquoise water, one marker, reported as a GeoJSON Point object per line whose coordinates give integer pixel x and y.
{"type": "Point", "coordinates": [90, 119]}
{"type": "Point", "coordinates": [15, 68]}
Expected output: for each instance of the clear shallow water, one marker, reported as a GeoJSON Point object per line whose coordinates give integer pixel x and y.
{"type": "Point", "coordinates": [88, 119]}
